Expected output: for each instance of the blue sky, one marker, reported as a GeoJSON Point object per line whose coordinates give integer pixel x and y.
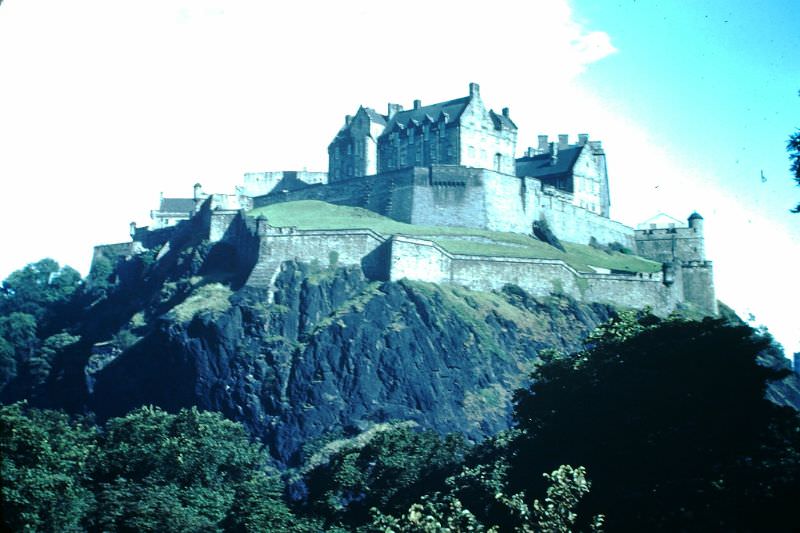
{"type": "Point", "coordinates": [104, 104]}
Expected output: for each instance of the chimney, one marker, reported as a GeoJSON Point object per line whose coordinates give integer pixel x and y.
{"type": "Point", "coordinates": [133, 230]}
{"type": "Point", "coordinates": [563, 141]}
{"type": "Point", "coordinates": [417, 104]}
{"type": "Point", "coordinates": [543, 144]}
{"type": "Point", "coordinates": [348, 119]}
{"type": "Point", "coordinates": [505, 112]}
{"type": "Point", "coordinates": [474, 90]}
{"type": "Point", "coordinates": [198, 191]}
{"type": "Point", "coordinates": [583, 138]}
{"type": "Point", "coordinates": [530, 152]}
{"type": "Point", "coordinates": [393, 110]}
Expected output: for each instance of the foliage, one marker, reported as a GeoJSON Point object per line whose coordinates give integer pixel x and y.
{"type": "Point", "coordinates": [671, 421]}
{"type": "Point", "coordinates": [542, 231]}
{"type": "Point", "coordinates": [793, 147]}
{"type": "Point", "coordinates": [147, 471]}
{"type": "Point", "coordinates": [43, 465]}
{"type": "Point", "coordinates": [40, 289]}
{"type": "Point", "coordinates": [390, 471]}
{"type": "Point", "coordinates": [446, 513]}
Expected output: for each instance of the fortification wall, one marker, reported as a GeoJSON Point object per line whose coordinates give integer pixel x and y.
{"type": "Point", "coordinates": [452, 195]}
{"type": "Point", "coordinates": [448, 195]}
{"type": "Point", "coordinates": [424, 260]}
{"type": "Point", "coordinates": [261, 183]}
{"type": "Point", "coordinates": [575, 224]}
{"type": "Point", "coordinates": [698, 285]}
{"type": "Point", "coordinates": [671, 244]}
{"type": "Point", "coordinates": [328, 248]}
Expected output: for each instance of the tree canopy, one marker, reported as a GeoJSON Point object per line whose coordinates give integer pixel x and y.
{"type": "Point", "coordinates": [671, 422]}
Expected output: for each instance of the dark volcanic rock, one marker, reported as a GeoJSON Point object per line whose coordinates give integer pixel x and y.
{"type": "Point", "coordinates": [336, 352]}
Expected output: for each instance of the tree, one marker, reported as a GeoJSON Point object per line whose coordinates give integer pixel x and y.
{"type": "Point", "coordinates": [793, 147]}
{"type": "Point", "coordinates": [162, 472]}
{"type": "Point", "coordinates": [390, 471]}
{"type": "Point", "coordinates": [43, 465]}
{"type": "Point", "coordinates": [670, 419]}
{"type": "Point", "coordinates": [39, 289]}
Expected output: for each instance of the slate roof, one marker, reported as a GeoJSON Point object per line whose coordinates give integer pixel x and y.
{"type": "Point", "coordinates": [374, 116]}
{"type": "Point", "coordinates": [453, 109]}
{"type": "Point", "coordinates": [177, 205]}
{"type": "Point", "coordinates": [502, 120]}
{"type": "Point", "coordinates": [541, 165]}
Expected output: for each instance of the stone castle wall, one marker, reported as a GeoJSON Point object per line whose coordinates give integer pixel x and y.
{"type": "Point", "coordinates": [451, 195]}
{"type": "Point", "coordinates": [424, 260]}
{"type": "Point", "coordinates": [428, 198]}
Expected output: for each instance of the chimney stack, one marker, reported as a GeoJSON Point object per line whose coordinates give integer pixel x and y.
{"type": "Point", "coordinates": [563, 141]}
{"type": "Point", "coordinates": [544, 146]}
{"type": "Point", "coordinates": [393, 110]}
{"type": "Point", "coordinates": [417, 104]}
{"type": "Point", "coordinates": [505, 112]}
{"type": "Point", "coordinates": [348, 119]}
{"type": "Point", "coordinates": [474, 90]}
{"type": "Point", "coordinates": [583, 138]}
{"type": "Point", "coordinates": [530, 152]}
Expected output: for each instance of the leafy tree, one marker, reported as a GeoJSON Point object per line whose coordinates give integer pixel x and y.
{"type": "Point", "coordinates": [391, 471]}
{"type": "Point", "coordinates": [43, 465]}
{"type": "Point", "coordinates": [147, 471]}
{"type": "Point", "coordinates": [445, 512]}
{"type": "Point", "coordinates": [158, 471]}
{"type": "Point", "coordinates": [793, 147]}
{"type": "Point", "coordinates": [42, 289]}
{"type": "Point", "coordinates": [671, 421]}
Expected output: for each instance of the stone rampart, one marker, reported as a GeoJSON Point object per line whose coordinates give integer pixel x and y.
{"type": "Point", "coordinates": [415, 258]}
{"type": "Point", "coordinates": [362, 247]}
{"type": "Point", "coordinates": [452, 195]}
{"type": "Point", "coordinates": [671, 244]}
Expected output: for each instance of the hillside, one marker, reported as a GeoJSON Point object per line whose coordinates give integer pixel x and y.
{"type": "Point", "coordinates": [332, 353]}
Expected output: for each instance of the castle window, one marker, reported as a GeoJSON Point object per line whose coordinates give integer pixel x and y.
{"type": "Point", "coordinates": [410, 136]}
{"type": "Point", "coordinates": [441, 130]}
{"type": "Point", "coordinates": [498, 160]}
{"type": "Point", "coordinates": [349, 149]}
{"type": "Point", "coordinates": [402, 156]}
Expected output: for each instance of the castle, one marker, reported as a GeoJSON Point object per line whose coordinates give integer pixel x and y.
{"type": "Point", "coordinates": [450, 164]}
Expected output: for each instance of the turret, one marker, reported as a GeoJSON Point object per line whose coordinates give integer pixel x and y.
{"type": "Point", "coordinates": [696, 222]}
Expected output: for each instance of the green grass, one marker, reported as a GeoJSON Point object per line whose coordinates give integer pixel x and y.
{"type": "Point", "coordinates": [313, 214]}
{"type": "Point", "coordinates": [212, 297]}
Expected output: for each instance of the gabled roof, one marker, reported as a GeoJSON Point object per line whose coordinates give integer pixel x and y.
{"type": "Point", "coordinates": [661, 220]}
{"type": "Point", "coordinates": [374, 116]}
{"type": "Point", "coordinates": [452, 108]}
{"type": "Point", "coordinates": [176, 205]}
{"type": "Point", "coordinates": [501, 120]}
{"type": "Point", "coordinates": [542, 165]}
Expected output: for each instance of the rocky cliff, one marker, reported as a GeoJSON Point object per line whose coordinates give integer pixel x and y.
{"type": "Point", "coordinates": [335, 353]}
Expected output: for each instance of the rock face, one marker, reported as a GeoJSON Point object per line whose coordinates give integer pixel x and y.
{"type": "Point", "coordinates": [334, 352]}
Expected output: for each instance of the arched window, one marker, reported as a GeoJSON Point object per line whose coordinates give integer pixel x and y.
{"type": "Point", "coordinates": [498, 160]}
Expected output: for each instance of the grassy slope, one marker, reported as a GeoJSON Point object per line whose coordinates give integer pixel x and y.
{"type": "Point", "coordinates": [313, 214]}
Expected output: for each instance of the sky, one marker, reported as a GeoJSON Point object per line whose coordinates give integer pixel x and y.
{"type": "Point", "coordinates": [106, 104]}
